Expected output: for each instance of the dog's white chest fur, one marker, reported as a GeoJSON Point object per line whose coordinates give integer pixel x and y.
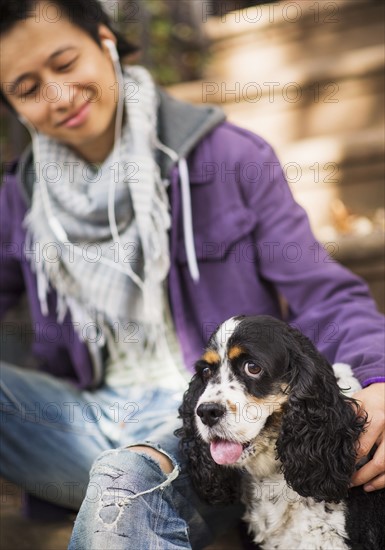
{"type": "Point", "coordinates": [280, 519]}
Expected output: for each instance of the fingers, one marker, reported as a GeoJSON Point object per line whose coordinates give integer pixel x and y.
{"type": "Point", "coordinates": [375, 484]}
{"type": "Point", "coordinates": [373, 473]}
{"type": "Point", "coordinates": [372, 400]}
{"type": "Point", "coordinates": [367, 440]}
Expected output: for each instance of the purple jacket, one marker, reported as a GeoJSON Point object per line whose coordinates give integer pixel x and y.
{"type": "Point", "coordinates": [255, 249]}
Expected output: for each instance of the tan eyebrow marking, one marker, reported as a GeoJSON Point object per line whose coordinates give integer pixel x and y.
{"type": "Point", "coordinates": [211, 356]}
{"type": "Point", "coordinates": [235, 352]}
{"type": "Point", "coordinates": [232, 406]}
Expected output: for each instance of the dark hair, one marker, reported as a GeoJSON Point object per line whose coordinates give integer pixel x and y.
{"type": "Point", "coordinates": [86, 14]}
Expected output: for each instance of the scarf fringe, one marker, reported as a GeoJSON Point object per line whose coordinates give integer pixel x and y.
{"type": "Point", "coordinates": [92, 326]}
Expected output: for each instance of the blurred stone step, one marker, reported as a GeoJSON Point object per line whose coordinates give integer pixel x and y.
{"type": "Point", "coordinates": [298, 29]}
{"type": "Point", "coordinates": [294, 104]}
{"type": "Point", "coordinates": [294, 82]}
{"type": "Point", "coordinates": [252, 65]}
{"type": "Point", "coordinates": [348, 167]}
{"type": "Point", "coordinates": [365, 257]}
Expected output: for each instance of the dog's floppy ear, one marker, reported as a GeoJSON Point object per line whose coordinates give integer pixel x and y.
{"type": "Point", "coordinates": [215, 484]}
{"type": "Point", "coordinates": [320, 426]}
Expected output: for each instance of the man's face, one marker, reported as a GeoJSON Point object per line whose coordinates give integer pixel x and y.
{"type": "Point", "coordinates": [58, 78]}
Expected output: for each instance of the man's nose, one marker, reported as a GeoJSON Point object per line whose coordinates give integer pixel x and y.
{"type": "Point", "coordinates": [62, 94]}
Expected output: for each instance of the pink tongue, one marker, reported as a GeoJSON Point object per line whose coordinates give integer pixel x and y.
{"type": "Point", "coordinates": [225, 452]}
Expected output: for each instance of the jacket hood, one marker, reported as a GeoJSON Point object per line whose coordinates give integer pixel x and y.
{"type": "Point", "coordinates": [182, 125]}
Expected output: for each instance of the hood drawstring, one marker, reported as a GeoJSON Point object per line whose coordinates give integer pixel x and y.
{"type": "Point", "coordinates": [187, 220]}
{"type": "Point", "coordinates": [188, 232]}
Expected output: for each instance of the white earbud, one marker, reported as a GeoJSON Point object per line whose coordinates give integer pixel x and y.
{"type": "Point", "coordinates": [111, 48]}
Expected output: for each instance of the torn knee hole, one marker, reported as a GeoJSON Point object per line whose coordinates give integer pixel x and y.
{"type": "Point", "coordinates": [163, 460]}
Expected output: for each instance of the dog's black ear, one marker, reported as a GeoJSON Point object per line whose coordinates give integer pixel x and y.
{"type": "Point", "coordinates": [320, 426]}
{"type": "Point", "coordinates": [215, 484]}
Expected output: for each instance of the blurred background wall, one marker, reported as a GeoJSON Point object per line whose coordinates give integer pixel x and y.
{"type": "Point", "coordinates": [307, 75]}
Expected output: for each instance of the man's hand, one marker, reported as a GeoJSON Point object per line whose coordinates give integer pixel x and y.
{"type": "Point", "coordinates": [372, 475]}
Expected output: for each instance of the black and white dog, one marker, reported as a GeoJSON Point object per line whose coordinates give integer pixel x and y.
{"type": "Point", "coordinates": [264, 412]}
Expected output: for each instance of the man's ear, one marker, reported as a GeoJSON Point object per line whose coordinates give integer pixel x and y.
{"type": "Point", "coordinates": [106, 34]}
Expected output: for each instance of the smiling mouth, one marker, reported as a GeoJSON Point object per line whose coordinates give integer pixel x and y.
{"type": "Point", "coordinates": [77, 118]}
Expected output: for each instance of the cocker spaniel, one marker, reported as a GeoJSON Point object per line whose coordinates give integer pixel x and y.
{"type": "Point", "coordinates": [264, 420]}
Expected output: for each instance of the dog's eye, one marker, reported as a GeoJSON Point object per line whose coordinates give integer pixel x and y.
{"type": "Point", "coordinates": [251, 369]}
{"type": "Point", "coordinates": [206, 373]}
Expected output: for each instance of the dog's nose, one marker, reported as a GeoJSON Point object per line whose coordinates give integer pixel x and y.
{"type": "Point", "coordinates": [210, 413]}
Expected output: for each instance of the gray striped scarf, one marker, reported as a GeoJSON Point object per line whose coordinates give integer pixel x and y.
{"type": "Point", "coordinates": [95, 278]}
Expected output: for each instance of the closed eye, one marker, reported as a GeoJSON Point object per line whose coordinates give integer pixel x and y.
{"type": "Point", "coordinates": [67, 65]}
{"type": "Point", "coordinates": [31, 91]}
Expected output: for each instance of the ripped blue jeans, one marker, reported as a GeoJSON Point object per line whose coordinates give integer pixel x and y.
{"type": "Point", "coordinates": [71, 447]}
